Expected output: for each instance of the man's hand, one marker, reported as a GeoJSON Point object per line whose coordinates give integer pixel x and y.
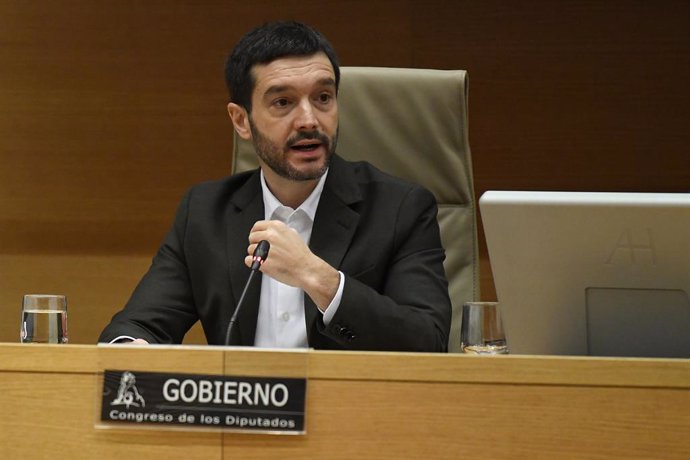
{"type": "Point", "coordinates": [291, 262]}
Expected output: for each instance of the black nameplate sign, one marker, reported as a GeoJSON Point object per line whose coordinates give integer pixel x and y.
{"type": "Point", "coordinates": [162, 400]}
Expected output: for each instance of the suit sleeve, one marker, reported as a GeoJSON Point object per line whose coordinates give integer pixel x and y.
{"type": "Point", "coordinates": [161, 308]}
{"type": "Point", "coordinates": [409, 310]}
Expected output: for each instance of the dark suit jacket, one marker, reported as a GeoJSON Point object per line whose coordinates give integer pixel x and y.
{"type": "Point", "coordinates": [380, 231]}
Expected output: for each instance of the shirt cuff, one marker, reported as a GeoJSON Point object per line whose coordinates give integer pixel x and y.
{"type": "Point", "coordinates": [122, 339]}
{"type": "Point", "coordinates": [335, 303]}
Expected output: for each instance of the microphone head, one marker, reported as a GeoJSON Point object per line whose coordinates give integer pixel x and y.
{"type": "Point", "coordinates": [260, 254]}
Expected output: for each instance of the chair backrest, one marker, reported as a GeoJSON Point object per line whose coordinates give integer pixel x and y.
{"type": "Point", "coordinates": [412, 123]}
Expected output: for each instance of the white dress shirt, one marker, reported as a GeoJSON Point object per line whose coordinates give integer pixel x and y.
{"type": "Point", "coordinates": [281, 322]}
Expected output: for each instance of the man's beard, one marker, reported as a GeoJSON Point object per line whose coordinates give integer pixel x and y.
{"type": "Point", "coordinates": [275, 157]}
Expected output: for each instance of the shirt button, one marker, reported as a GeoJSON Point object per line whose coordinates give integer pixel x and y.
{"type": "Point", "coordinates": [285, 316]}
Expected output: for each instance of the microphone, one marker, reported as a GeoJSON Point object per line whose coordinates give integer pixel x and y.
{"type": "Point", "coordinates": [258, 258]}
{"type": "Point", "coordinates": [260, 254]}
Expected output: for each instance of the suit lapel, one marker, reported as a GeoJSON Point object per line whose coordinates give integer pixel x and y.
{"type": "Point", "coordinates": [334, 224]}
{"type": "Point", "coordinates": [248, 207]}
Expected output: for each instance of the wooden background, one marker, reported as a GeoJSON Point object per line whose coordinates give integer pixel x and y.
{"type": "Point", "coordinates": [110, 109]}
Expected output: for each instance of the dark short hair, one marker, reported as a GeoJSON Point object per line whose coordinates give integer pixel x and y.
{"type": "Point", "coordinates": [265, 44]}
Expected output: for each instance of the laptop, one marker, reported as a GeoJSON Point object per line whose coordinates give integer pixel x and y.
{"type": "Point", "coordinates": [591, 273]}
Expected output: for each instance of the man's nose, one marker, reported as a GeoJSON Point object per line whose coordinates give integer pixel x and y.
{"type": "Point", "coordinates": [306, 116]}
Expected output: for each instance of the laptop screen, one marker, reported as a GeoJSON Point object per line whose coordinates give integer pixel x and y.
{"type": "Point", "coordinates": [587, 273]}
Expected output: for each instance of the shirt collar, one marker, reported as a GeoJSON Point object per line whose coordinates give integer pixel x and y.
{"type": "Point", "coordinates": [309, 205]}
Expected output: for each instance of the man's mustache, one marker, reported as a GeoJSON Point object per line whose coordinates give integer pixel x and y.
{"type": "Point", "coordinates": [309, 136]}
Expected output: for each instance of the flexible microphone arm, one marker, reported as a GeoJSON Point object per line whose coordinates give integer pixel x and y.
{"type": "Point", "coordinates": [258, 258]}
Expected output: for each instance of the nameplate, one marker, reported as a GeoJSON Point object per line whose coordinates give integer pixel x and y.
{"type": "Point", "coordinates": [163, 400]}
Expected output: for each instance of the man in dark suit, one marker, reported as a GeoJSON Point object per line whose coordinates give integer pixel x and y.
{"type": "Point", "coordinates": [355, 257]}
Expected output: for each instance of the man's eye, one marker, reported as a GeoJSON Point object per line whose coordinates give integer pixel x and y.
{"type": "Point", "coordinates": [325, 97]}
{"type": "Point", "coordinates": [281, 102]}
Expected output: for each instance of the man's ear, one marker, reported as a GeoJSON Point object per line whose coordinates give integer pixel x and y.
{"type": "Point", "coordinates": [240, 119]}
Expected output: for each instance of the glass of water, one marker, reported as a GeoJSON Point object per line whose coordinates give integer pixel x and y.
{"type": "Point", "coordinates": [481, 331]}
{"type": "Point", "coordinates": [44, 319]}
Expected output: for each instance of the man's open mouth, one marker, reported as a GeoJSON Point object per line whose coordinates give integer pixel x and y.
{"type": "Point", "coordinates": [307, 146]}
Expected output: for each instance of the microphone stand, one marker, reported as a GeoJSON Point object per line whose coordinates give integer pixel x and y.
{"type": "Point", "coordinates": [260, 255]}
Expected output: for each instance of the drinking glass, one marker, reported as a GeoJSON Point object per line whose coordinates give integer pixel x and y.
{"type": "Point", "coordinates": [44, 319]}
{"type": "Point", "coordinates": [481, 332]}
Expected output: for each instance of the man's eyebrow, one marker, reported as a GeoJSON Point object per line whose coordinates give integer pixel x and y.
{"type": "Point", "coordinates": [275, 89]}
{"type": "Point", "coordinates": [327, 81]}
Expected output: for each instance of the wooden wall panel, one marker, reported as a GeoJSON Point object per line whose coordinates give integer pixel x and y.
{"type": "Point", "coordinates": [96, 285]}
{"type": "Point", "coordinates": [570, 95]}
{"type": "Point", "coordinates": [109, 110]}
